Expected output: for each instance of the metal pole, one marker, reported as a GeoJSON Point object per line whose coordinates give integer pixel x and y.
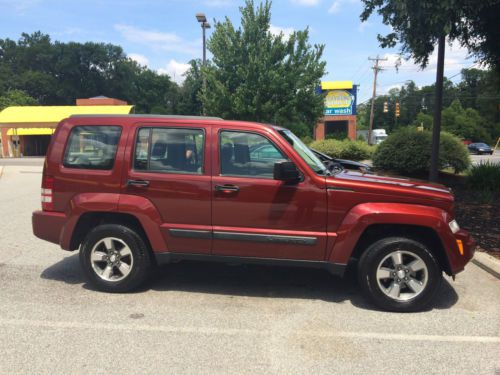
{"type": "Point", "coordinates": [203, 26]}
{"type": "Point", "coordinates": [204, 44]}
{"type": "Point", "coordinates": [438, 106]}
{"type": "Point", "coordinates": [376, 69]}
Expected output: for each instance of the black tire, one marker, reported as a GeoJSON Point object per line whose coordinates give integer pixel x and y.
{"type": "Point", "coordinates": [141, 255]}
{"type": "Point", "coordinates": [377, 252]}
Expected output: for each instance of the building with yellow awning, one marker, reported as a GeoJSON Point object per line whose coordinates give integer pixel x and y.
{"type": "Point", "coordinates": [26, 130]}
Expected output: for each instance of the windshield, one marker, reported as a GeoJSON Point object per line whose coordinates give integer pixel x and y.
{"type": "Point", "coordinates": [305, 153]}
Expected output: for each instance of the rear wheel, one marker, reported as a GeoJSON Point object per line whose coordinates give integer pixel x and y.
{"type": "Point", "coordinates": [399, 274]}
{"type": "Point", "coordinates": [115, 258]}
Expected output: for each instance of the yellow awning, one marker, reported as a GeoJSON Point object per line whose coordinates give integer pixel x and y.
{"type": "Point", "coordinates": [336, 85]}
{"type": "Point", "coordinates": [47, 116]}
{"type": "Point", "coordinates": [30, 131]}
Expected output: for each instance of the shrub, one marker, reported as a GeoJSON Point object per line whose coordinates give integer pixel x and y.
{"type": "Point", "coordinates": [485, 177]}
{"type": "Point", "coordinates": [346, 149]}
{"type": "Point", "coordinates": [408, 151]}
{"type": "Point", "coordinates": [453, 153]}
{"type": "Point", "coordinates": [307, 140]}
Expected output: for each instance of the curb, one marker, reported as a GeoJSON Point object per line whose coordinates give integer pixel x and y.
{"type": "Point", "coordinates": [488, 263]}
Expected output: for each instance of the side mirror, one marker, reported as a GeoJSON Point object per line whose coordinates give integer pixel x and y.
{"type": "Point", "coordinates": [286, 171]}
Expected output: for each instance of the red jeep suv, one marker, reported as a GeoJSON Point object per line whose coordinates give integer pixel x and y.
{"type": "Point", "coordinates": [134, 191]}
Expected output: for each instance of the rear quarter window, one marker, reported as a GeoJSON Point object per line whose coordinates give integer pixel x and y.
{"type": "Point", "coordinates": [92, 147]}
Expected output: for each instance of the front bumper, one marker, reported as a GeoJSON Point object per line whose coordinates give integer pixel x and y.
{"type": "Point", "coordinates": [461, 249]}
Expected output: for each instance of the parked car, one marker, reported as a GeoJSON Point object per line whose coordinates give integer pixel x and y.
{"type": "Point", "coordinates": [338, 165]}
{"type": "Point", "coordinates": [135, 191]}
{"type": "Point", "coordinates": [480, 148]}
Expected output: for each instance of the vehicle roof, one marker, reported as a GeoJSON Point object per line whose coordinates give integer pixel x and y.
{"type": "Point", "coordinates": [211, 120]}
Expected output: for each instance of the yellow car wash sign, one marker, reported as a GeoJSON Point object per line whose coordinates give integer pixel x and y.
{"type": "Point", "coordinates": [339, 102]}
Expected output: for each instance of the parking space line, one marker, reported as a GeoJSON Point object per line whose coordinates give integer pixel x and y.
{"type": "Point", "coordinates": [251, 332]}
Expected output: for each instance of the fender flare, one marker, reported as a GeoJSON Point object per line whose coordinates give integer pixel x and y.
{"type": "Point", "coordinates": [363, 215]}
{"type": "Point", "coordinates": [139, 207]}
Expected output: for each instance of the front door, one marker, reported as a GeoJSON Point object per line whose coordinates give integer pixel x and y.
{"type": "Point", "coordinates": [254, 215]}
{"type": "Point", "coordinates": [170, 167]}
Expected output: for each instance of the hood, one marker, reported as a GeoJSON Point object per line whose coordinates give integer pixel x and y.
{"type": "Point", "coordinates": [389, 185]}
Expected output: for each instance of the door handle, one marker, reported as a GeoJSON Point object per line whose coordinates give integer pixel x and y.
{"type": "Point", "coordinates": [227, 188]}
{"type": "Point", "coordinates": [138, 183]}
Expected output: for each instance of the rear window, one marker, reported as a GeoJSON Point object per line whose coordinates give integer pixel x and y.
{"type": "Point", "coordinates": [92, 147]}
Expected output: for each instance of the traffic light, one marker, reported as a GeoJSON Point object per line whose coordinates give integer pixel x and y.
{"type": "Point", "coordinates": [386, 108]}
{"type": "Point", "coordinates": [397, 109]}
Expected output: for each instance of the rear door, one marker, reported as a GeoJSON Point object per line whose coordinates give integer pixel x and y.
{"type": "Point", "coordinates": [170, 166]}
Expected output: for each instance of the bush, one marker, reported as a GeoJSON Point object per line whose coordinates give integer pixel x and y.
{"type": "Point", "coordinates": [307, 140]}
{"type": "Point", "coordinates": [346, 149]}
{"type": "Point", "coordinates": [408, 151]}
{"type": "Point", "coordinates": [453, 153]}
{"type": "Point", "coordinates": [485, 177]}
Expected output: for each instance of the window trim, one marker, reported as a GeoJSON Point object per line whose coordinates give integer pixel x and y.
{"type": "Point", "coordinates": [219, 136]}
{"type": "Point", "coordinates": [150, 138]}
{"type": "Point", "coordinates": [68, 144]}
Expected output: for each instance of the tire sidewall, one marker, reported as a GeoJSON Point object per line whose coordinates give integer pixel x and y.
{"type": "Point", "coordinates": [368, 273]}
{"type": "Point", "coordinates": [140, 254]}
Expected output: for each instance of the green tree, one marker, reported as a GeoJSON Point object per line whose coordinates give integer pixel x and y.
{"type": "Point", "coordinates": [465, 123]}
{"type": "Point", "coordinates": [14, 98]}
{"type": "Point", "coordinates": [419, 25]}
{"type": "Point", "coordinates": [190, 102]}
{"type": "Point", "coordinates": [56, 73]}
{"type": "Point", "coordinates": [258, 76]}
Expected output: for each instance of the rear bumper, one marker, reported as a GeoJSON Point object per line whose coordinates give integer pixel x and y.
{"type": "Point", "coordinates": [48, 226]}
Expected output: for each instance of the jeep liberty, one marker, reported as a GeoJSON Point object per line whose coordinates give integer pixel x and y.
{"type": "Point", "coordinates": [135, 191]}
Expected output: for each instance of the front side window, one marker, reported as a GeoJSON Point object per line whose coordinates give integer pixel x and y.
{"type": "Point", "coordinates": [169, 150]}
{"type": "Point", "coordinates": [248, 155]}
{"type": "Point", "coordinates": [92, 147]}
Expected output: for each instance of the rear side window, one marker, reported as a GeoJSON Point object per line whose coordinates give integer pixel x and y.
{"type": "Point", "coordinates": [169, 150]}
{"type": "Point", "coordinates": [92, 147]}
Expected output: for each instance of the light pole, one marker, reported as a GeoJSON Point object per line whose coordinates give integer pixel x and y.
{"type": "Point", "coordinates": [202, 19]}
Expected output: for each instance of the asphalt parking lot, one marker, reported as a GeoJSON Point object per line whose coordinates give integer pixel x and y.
{"type": "Point", "coordinates": [212, 318]}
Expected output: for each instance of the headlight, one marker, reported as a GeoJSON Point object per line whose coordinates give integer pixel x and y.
{"type": "Point", "coordinates": [454, 226]}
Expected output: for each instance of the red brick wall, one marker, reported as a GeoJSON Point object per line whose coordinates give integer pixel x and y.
{"type": "Point", "coordinates": [319, 130]}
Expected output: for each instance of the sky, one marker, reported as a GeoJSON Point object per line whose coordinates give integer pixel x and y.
{"type": "Point", "coordinates": [164, 34]}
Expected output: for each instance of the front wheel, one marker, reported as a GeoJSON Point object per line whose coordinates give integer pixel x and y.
{"type": "Point", "coordinates": [115, 258]}
{"type": "Point", "coordinates": [399, 274]}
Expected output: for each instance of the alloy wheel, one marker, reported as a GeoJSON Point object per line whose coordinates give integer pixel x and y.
{"type": "Point", "coordinates": [402, 275]}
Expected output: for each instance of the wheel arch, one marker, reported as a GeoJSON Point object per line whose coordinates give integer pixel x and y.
{"type": "Point", "coordinates": [89, 220]}
{"type": "Point", "coordinates": [371, 221]}
{"type": "Point", "coordinates": [423, 234]}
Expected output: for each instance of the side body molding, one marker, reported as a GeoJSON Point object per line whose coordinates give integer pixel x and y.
{"type": "Point", "coordinates": [363, 215]}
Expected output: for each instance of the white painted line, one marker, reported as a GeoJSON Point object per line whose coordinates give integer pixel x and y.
{"type": "Point", "coordinates": [251, 332]}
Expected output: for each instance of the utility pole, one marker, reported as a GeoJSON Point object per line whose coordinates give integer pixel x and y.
{"type": "Point", "coordinates": [376, 68]}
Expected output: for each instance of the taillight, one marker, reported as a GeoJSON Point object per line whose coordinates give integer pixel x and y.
{"type": "Point", "coordinates": [47, 193]}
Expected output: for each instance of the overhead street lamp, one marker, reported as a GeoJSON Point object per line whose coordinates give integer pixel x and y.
{"type": "Point", "coordinates": [202, 19]}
